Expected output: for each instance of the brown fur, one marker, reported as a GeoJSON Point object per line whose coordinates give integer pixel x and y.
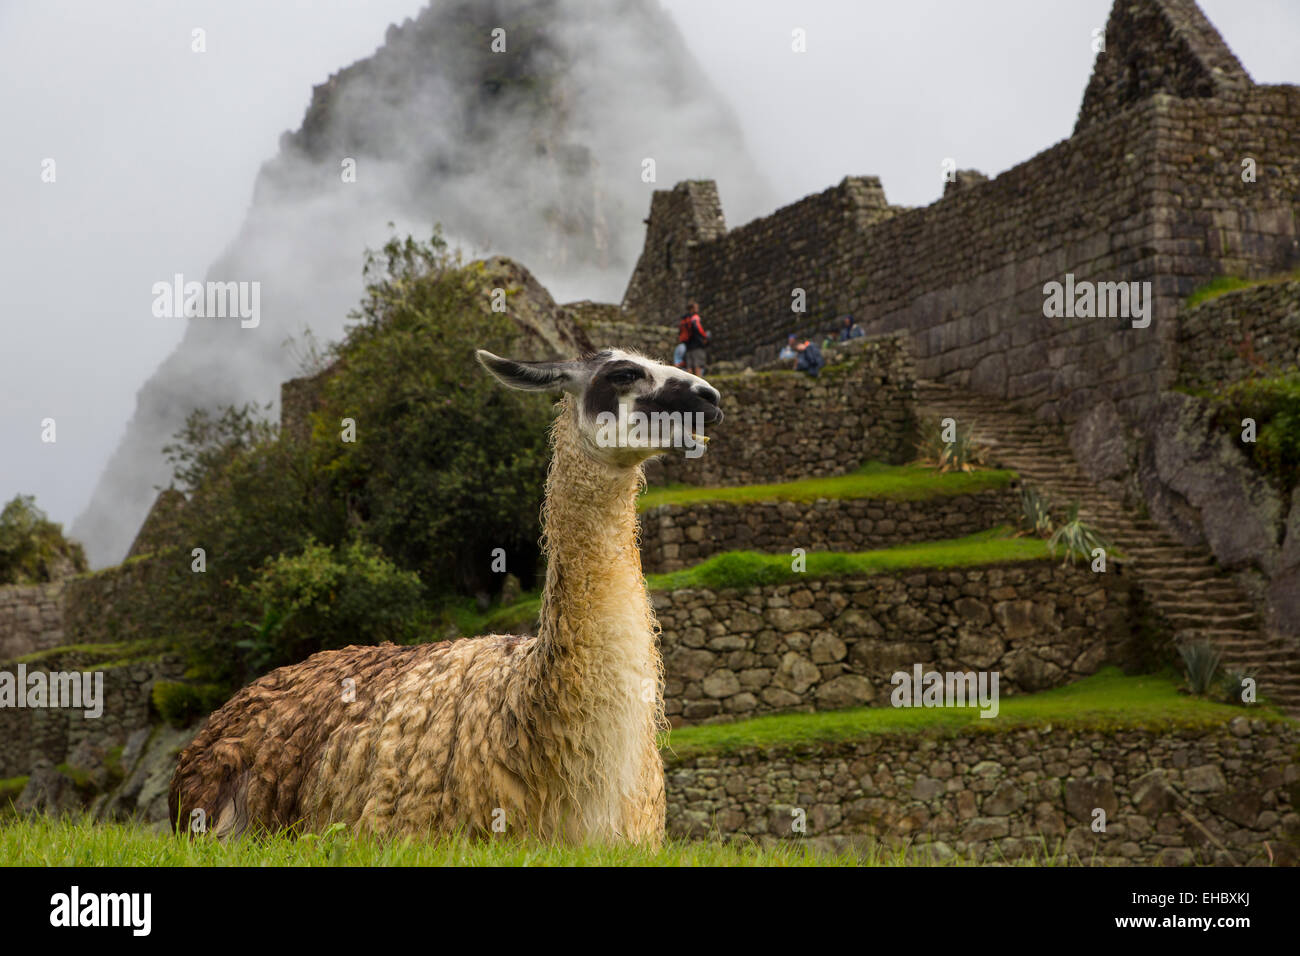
{"type": "Point", "coordinates": [558, 732]}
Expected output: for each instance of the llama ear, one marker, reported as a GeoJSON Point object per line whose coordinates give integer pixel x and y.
{"type": "Point", "coordinates": [529, 376]}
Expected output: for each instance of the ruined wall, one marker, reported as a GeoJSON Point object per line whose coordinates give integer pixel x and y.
{"type": "Point", "coordinates": [1149, 189]}
{"type": "Point", "coordinates": [45, 737]}
{"type": "Point", "coordinates": [609, 326]}
{"type": "Point", "coordinates": [784, 426]}
{"type": "Point", "coordinates": [1212, 796]}
{"type": "Point", "coordinates": [675, 536]}
{"type": "Point", "coordinates": [834, 643]}
{"type": "Point", "coordinates": [31, 618]}
{"type": "Point", "coordinates": [1229, 337]}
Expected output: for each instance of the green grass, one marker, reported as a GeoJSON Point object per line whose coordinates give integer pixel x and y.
{"type": "Point", "coordinates": [1224, 284]}
{"type": "Point", "coordinates": [1107, 701]}
{"type": "Point", "coordinates": [874, 480]}
{"type": "Point", "coordinates": [742, 569]}
{"type": "Point", "coordinates": [470, 621]}
{"type": "Point", "coordinates": [104, 656]}
{"type": "Point", "coordinates": [44, 841]}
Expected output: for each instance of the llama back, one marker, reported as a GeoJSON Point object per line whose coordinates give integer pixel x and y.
{"type": "Point", "coordinates": [292, 748]}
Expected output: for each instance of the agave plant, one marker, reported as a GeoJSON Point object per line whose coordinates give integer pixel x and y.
{"type": "Point", "coordinates": [1077, 537]}
{"type": "Point", "coordinates": [963, 453]}
{"type": "Point", "coordinates": [1035, 511]}
{"type": "Point", "coordinates": [1201, 658]}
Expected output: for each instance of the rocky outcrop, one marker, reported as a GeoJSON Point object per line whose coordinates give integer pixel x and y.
{"type": "Point", "coordinates": [505, 121]}
{"type": "Point", "coordinates": [1198, 483]}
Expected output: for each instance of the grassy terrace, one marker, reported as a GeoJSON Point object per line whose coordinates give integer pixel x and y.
{"type": "Point", "coordinates": [875, 480]}
{"type": "Point", "coordinates": [1107, 701]}
{"type": "Point", "coordinates": [1224, 284]}
{"type": "Point", "coordinates": [743, 569]}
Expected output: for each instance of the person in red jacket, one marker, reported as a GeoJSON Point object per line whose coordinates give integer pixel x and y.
{"type": "Point", "coordinates": [690, 332]}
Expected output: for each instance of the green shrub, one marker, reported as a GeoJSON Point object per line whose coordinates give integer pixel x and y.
{"type": "Point", "coordinates": [181, 704]}
{"type": "Point", "coordinates": [32, 547]}
{"type": "Point", "coordinates": [447, 466]}
{"type": "Point", "coordinates": [324, 598]}
{"type": "Point", "coordinates": [1274, 404]}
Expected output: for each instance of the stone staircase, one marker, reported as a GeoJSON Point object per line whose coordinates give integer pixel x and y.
{"type": "Point", "coordinates": [1198, 598]}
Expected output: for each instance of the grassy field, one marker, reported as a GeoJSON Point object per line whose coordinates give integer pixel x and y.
{"type": "Point", "coordinates": [46, 842]}
{"type": "Point", "coordinates": [1108, 700]}
{"type": "Point", "coordinates": [875, 480]}
{"type": "Point", "coordinates": [743, 569]}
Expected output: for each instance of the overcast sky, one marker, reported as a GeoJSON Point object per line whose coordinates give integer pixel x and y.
{"type": "Point", "coordinates": [156, 149]}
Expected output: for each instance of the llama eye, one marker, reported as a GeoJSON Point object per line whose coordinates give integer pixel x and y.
{"type": "Point", "coordinates": [623, 377]}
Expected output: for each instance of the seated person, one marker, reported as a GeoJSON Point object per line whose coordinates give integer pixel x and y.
{"type": "Point", "coordinates": [810, 359]}
{"type": "Point", "coordinates": [851, 329]}
{"type": "Point", "coordinates": [788, 352]}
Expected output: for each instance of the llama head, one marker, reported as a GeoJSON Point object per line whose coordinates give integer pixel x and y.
{"type": "Point", "coordinates": [628, 407]}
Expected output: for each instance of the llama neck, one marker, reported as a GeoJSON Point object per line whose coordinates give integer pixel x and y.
{"type": "Point", "coordinates": [593, 683]}
{"type": "Point", "coordinates": [595, 610]}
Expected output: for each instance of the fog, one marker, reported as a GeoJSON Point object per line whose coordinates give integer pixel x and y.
{"type": "Point", "coordinates": [157, 149]}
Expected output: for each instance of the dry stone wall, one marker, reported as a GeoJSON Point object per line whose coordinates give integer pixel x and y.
{"type": "Point", "coordinates": [1227, 338]}
{"type": "Point", "coordinates": [35, 737]}
{"type": "Point", "coordinates": [1225, 796]}
{"type": "Point", "coordinates": [674, 537]}
{"type": "Point", "coordinates": [834, 643]}
{"type": "Point", "coordinates": [785, 425]}
{"type": "Point", "coordinates": [31, 618]}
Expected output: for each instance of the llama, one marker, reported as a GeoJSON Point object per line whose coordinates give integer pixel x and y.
{"type": "Point", "coordinates": [553, 736]}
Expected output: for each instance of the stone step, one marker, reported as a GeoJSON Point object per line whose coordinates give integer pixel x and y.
{"type": "Point", "coordinates": [1184, 583]}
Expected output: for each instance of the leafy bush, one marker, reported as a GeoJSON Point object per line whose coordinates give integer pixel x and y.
{"type": "Point", "coordinates": [447, 466]}
{"type": "Point", "coordinates": [1274, 404]}
{"type": "Point", "coordinates": [1077, 538]}
{"type": "Point", "coordinates": [181, 704]}
{"type": "Point", "coordinates": [963, 453]}
{"type": "Point", "coordinates": [325, 598]}
{"type": "Point", "coordinates": [1201, 659]}
{"type": "Point", "coordinates": [33, 549]}
{"type": "Point", "coordinates": [208, 443]}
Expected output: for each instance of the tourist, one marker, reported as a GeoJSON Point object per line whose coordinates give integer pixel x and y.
{"type": "Point", "coordinates": [810, 357]}
{"type": "Point", "coordinates": [851, 329]}
{"type": "Point", "coordinates": [690, 332]}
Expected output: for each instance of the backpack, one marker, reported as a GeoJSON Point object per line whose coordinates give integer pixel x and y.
{"type": "Point", "coordinates": [691, 331]}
